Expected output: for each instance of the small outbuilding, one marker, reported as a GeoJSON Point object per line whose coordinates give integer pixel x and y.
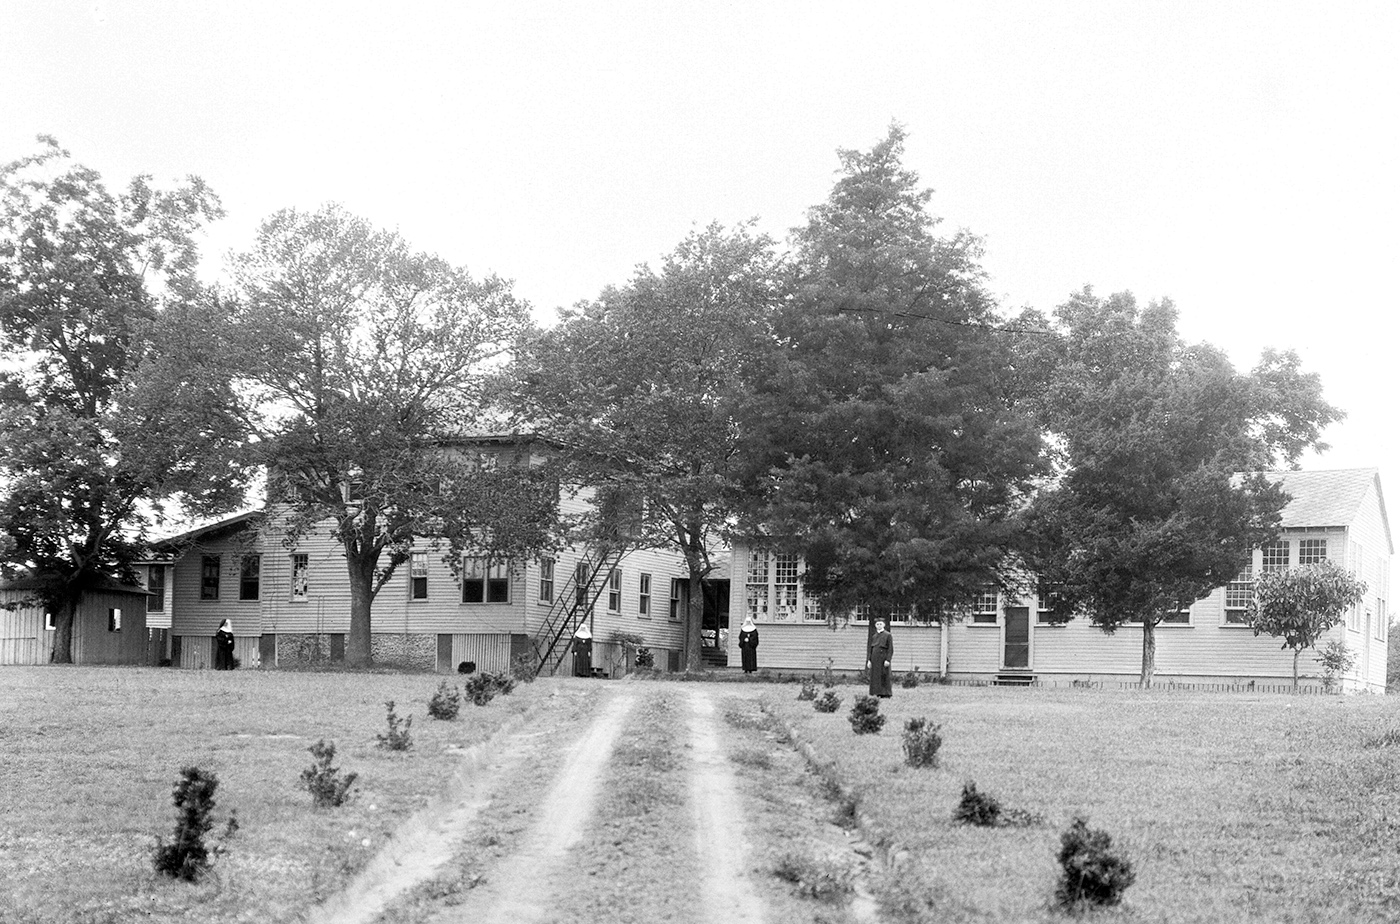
{"type": "Point", "coordinates": [109, 628]}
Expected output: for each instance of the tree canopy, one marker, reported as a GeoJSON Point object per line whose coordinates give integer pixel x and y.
{"type": "Point", "coordinates": [890, 440]}
{"type": "Point", "coordinates": [101, 419]}
{"type": "Point", "coordinates": [364, 365]}
{"type": "Point", "coordinates": [1158, 498]}
{"type": "Point", "coordinates": [645, 387]}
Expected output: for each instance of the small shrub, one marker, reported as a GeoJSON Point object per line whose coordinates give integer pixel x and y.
{"type": "Point", "coordinates": [828, 680]}
{"type": "Point", "coordinates": [327, 787]}
{"type": "Point", "coordinates": [466, 667]}
{"type": "Point", "coordinates": [823, 880]}
{"type": "Point", "coordinates": [486, 686]}
{"type": "Point", "coordinates": [188, 856]}
{"type": "Point", "coordinates": [911, 679]}
{"type": "Point", "coordinates": [827, 702]}
{"type": "Point", "coordinates": [1091, 872]}
{"type": "Point", "coordinates": [808, 691]}
{"type": "Point", "coordinates": [522, 668]}
{"type": "Point", "coordinates": [977, 808]}
{"type": "Point", "coordinates": [865, 716]}
{"type": "Point", "coordinates": [921, 743]}
{"type": "Point", "coordinates": [1336, 659]}
{"type": "Point", "coordinates": [645, 659]}
{"type": "Point", "coordinates": [445, 702]}
{"type": "Point", "coordinates": [398, 737]}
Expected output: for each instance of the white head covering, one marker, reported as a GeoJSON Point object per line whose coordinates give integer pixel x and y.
{"type": "Point", "coordinates": [748, 625]}
{"type": "Point", "coordinates": [583, 631]}
{"type": "Point", "coordinates": [226, 625]}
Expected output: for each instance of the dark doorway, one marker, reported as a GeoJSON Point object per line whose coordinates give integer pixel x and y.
{"type": "Point", "coordinates": [1018, 637]}
{"type": "Point", "coordinates": [714, 621]}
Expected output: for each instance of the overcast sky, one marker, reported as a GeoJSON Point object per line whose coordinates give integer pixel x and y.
{"type": "Point", "coordinates": [1239, 158]}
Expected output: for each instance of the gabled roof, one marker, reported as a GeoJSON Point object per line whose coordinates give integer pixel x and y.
{"type": "Point", "coordinates": [228, 524]}
{"type": "Point", "coordinates": [1329, 498]}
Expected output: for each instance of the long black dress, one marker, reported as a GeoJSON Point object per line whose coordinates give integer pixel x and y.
{"type": "Point", "coordinates": [223, 650]}
{"type": "Point", "coordinates": [583, 657]}
{"type": "Point", "coordinates": [881, 657]}
{"type": "Point", "coordinates": [748, 649]}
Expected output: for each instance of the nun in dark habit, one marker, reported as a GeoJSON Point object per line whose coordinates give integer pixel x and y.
{"type": "Point", "coordinates": [748, 645]}
{"type": "Point", "coordinates": [223, 647]}
{"type": "Point", "coordinates": [583, 651]}
{"type": "Point", "coordinates": [879, 660]}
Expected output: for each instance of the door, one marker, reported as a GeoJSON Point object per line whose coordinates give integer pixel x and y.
{"type": "Point", "coordinates": [1017, 638]}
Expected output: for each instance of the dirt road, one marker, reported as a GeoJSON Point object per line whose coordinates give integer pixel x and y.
{"type": "Point", "coordinates": [619, 802]}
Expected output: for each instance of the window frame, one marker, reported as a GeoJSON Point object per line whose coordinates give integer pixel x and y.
{"type": "Point", "coordinates": [255, 583]}
{"type": "Point", "coordinates": [490, 578]}
{"type": "Point", "coordinates": [155, 589]}
{"type": "Point", "coordinates": [301, 568]}
{"type": "Point", "coordinates": [114, 619]}
{"type": "Point", "coordinates": [209, 568]}
{"type": "Point", "coordinates": [417, 575]}
{"type": "Point", "coordinates": [546, 586]}
{"type": "Point", "coordinates": [676, 598]}
{"type": "Point", "coordinates": [615, 590]}
{"type": "Point", "coordinates": [644, 595]}
{"type": "Point", "coordinates": [981, 608]}
{"type": "Point", "coordinates": [1242, 587]}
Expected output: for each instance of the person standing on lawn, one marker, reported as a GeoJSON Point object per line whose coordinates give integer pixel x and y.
{"type": "Point", "coordinates": [223, 647]}
{"type": "Point", "coordinates": [878, 661]}
{"type": "Point", "coordinates": [748, 645]}
{"type": "Point", "coordinates": [583, 651]}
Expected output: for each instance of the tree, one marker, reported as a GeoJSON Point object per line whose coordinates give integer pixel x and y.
{"type": "Point", "coordinates": [890, 438]}
{"type": "Point", "coordinates": [1301, 604]}
{"type": "Point", "coordinates": [1159, 498]}
{"type": "Point", "coordinates": [361, 362]}
{"type": "Point", "coordinates": [105, 412]}
{"type": "Point", "coordinates": [644, 385]}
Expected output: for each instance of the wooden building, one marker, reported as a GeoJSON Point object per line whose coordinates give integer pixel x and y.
{"type": "Point", "coordinates": [109, 627]}
{"type": "Point", "coordinates": [1335, 515]}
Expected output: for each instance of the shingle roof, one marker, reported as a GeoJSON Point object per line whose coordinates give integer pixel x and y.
{"type": "Point", "coordinates": [1328, 498]}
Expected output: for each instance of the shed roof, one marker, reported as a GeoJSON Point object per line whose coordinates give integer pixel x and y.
{"type": "Point", "coordinates": [96, 583]}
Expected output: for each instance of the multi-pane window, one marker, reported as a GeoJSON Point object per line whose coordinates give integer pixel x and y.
{"type": "Point", "coordinates": [984, 605]}
{"type": "Point", "coordinates": [1312, 551]}
{"type": "Point", "coordinates": [785, 586]}
{"type": "Point", "coordinates": [1274, 557]}
{"type": "Point", "coordinates": [155, 586]}
{"type": "Point", "coordinates": [546, 580]}
{"type": "Point", "coordinates": [1238, 594]}
{"type": "Point", "coordinates": [644, 594]}
{"type": "Point", "coordinates": [583, 577]}
{"type": "Point", "coordinates": [1047, 604]}
{"type": "Point", "coordinates": [615, 591]}
{"type": "Point", "coordinates": [812, 609]}
{"type": "Point", "coordinates": [756, 590]}
{"type": "Point", "coordinates": [675, 598]}
{"type": "Point", "coordinates": [300, 565]}
{"type": "Point", "coordinates": [1178, 617]}
{"type": "Point", "coordinates": [485, 581]}
{"type": "Point", "coordinates": [418, 576]}
{"type": "Point", "coordinates": [114, 619]}
{"type": "Point", "coordinates": [209, 577]}
{"type": "Point", "coordinates": [249, 577]}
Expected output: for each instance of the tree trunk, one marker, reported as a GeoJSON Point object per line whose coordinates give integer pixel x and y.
{"type": "Point", "coordinates": [1296, 652]}
{"type": "Point", "coordinates": [1149, 652]}
{"type": "Point", "coordinates": [64, 619]}
{"type": "Point", "coordinates": [357, 642]}
{"type": "Point", "coordinates": [694, 615]}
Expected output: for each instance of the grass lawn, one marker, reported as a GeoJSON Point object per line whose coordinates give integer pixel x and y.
{"type": "Point", "coordinates": [1231, 807]}
{"type": "Point", "coordinates": [89, 756]}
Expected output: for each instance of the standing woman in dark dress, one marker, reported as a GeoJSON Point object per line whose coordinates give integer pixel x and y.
{"type": "Point", "coordinates": [223, 647]}
{"type": "Point", "coordinates": [583, 651]}
{"type": "Point", "coordinates": [748, 645]}
{"type": "Point", "coordinates": [879, 660]}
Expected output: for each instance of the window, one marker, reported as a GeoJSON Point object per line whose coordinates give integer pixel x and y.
{"type": "Point", "coordinates": [1312, 551]}
{"type": "Point", "coordinates": [1380, 619]}
{"type": "Point", "coordinates": [614, 591]}
{"type": "Point", "coordinates": [1238, 595]}
{"type": "Point", "coordinates": [1274, 557]}
{"type": "Point", "coordinates": [1181, 617]}
{"type": "Point", "coordinates": [249, 575]}
{"type": "Point", "coordinates": [785, 586]}
{"type": "Point", "coordinates": [485, 581]}
{"type": "Point", "coordinates": [155, 586]}
{"type": "Point", "coordinates": [901, 614]}
{"type": "Point", "coordinates": [114, 619]}
{"type": "Point", "coordinates": [49, 624]}
{"type": "Point", "coordinates": [644, 594]}
{"type": "Point", "coordinates": [583, 578]}
{"type": "Point", "coordinates": [812, 609]}
{"type": "Point", "coordinates": [209, 577]}
{"type": "Point", "coordinates": [756, 591]}
{"type": "Point", "coordinates": [984, 606]}
{"type": "Point", "coordinates": [300, 564]}
{"type": "Point", "coordinates": [418, 576]}
{"type": "Point", "coordinates": [676, 598]}
{"type": "Point", "coordinates": [1047, 604]}
{"type": "Point", "coordinates": [546, 580]}
{"type": "Point", "coordinates": [861, 613]}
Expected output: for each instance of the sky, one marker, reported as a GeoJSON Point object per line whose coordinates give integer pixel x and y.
{"type": "Point", "coordinates": [1239, 158]}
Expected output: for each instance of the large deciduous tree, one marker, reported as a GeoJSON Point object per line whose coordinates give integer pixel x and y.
{"type": "Point", "coordinates": [362, 361]}
{"type": "Point", "coordinates": [890, 437]}
{"type": "Point", "coordinates": [1159, 499]}
{"type": "Point", "coordinates": [645, 384]}
{"type": "Point", "coordinates": [1300, 605]}
{"type": "Point", "coordinates": [105, 412]}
